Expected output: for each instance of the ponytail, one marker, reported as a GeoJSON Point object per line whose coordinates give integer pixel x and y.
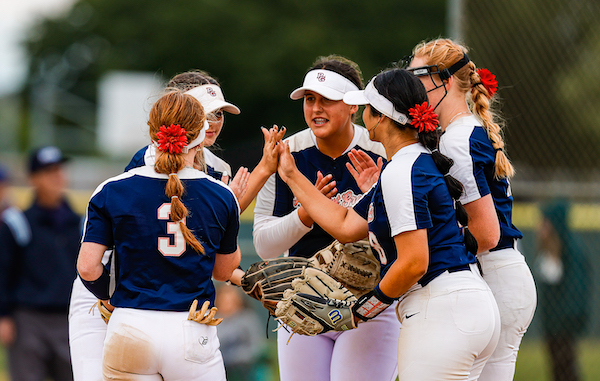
{"type": "Point", "coordinates": [176, 107]}
{"type": "Point", "coordinates": [455, 187]}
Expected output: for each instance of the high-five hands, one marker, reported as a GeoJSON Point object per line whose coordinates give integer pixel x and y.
{"type": "Point", "coordinates": [363, 169]}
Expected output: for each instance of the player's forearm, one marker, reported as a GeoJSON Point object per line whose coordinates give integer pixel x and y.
{"type": "Point", "coordinates": [225, 264]}
{"type": "Point", "coordinates": [483, 223]}
{"type": "Point", "coordinates": [258, 178]}
{"type": "Point", "coordinates": [332, 217]}
{"type": "Point", "coordinates": [273, 236]}
{"type": "Point", "coordinates": [89, 261]}
{"type": "Point", "coordinates": [410, 265]}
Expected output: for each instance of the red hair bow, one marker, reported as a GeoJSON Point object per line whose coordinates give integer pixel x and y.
{"type": "Point", "coordinates": [488, 80]}
{"type": "Point", "coordinates": [423, 117]}
{"type": "Point", "coordinates": [172, 138]}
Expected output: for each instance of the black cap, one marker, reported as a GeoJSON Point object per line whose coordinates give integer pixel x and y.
{"type": "Point", "coordinates": [44, 157]}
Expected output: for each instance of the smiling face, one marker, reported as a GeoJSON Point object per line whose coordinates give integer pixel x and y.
{"type": "Point", "coordinates": [326, 117]}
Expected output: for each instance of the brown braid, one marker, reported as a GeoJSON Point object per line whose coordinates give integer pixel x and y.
{"type": "Point", "coordinates": [175, 107]}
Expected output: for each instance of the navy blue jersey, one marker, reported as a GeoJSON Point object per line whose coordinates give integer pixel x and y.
{"type": "Point", "coordinates": [468, 144]}
{"type": "Point", "coordinates": [411, 194]}
{"type": "Point", "coordinates": [215, 166]}
{"type": "Point", "coordinates": [276, 198]}
{"type": "Point", "coordinates": [155, 268]}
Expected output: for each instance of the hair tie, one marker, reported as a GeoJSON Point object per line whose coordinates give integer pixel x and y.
{"type": "Point", "coordinates": [488, 80]}
{"type": "Point", "coordinates": [446, 174]}
{"type": "Point", "coordinates": [434, 150]}
{"type": "Point", "coordinates": [499, 149]}
{"type": "Point", "coordinates": [476, 84]}
{"type": "Point", "coordinates": [423, 118]}
{"type": "Point", "coordinates": [171, 139]}
{"type": "Point", "coordinates": [172, 197]}
{"type": "Point", "coordinates": [173, 174]}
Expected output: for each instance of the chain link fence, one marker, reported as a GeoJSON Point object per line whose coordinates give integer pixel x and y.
{"type": "Point", "coordinates": [546, 56]}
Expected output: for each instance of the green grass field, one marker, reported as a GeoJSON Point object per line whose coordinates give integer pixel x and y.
{"type": "Point", "coordinates": [532, 364]}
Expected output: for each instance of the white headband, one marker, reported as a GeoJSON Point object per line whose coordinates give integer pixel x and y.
{"type": "Point", "coordinates": [194, 143]}
{"type": "Point", "coordinates": [327, 83]}
{"type": "Point", "coordinates": [371, 96]}
{"type": "Point", "coordinates": [198, 139]}
{"type": "Point", "coordinates": [211, 98]}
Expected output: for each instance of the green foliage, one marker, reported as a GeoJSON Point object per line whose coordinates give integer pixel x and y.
{"type": "Point", "coordinates": [258, 49]}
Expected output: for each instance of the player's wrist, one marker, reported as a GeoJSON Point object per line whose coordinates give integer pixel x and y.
{"type": "Point", "coordinates": [100, 286]}
{"type": "Point", "coordinates": [372, 304]}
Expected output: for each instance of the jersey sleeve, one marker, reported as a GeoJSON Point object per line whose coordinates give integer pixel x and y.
{"type": "Point", "coordinates": [469, 166]}
{"type": "Point", "coordinates": [362, 206]}
{"type": "Point", "coordinates": [229, 240]}
{"type": "Point", "coordinates": [98, 228]}
{"type": "Point", "coordinates": [405, 200]}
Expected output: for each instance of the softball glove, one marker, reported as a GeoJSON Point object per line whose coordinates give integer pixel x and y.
{"type": "Point", "coordinates": [353, 264]}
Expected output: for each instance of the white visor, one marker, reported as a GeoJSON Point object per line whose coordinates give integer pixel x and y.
{"type": "Point", "coordinates": [371, 96]}
{"type": "Point", "coordinates": [211, 98]}
{"type": "Point", "coordinates": [327, 83]}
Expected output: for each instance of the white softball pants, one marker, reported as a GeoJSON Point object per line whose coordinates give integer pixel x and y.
{"type": "Point", "coordinates": [368, 352]}
{"type": "Point", "coordinates": [87, 331]}
{"type": "Point", "coordinates": [510, 279]}
{"type": "Point", "coordinates": [450, 328]}
{"type": "Point", "coordinates": [160, 345]}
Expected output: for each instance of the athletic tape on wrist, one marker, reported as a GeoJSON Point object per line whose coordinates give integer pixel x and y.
{"type": "Point", "coordinates": [372, 304]}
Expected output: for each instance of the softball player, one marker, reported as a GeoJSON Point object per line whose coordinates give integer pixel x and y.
{"type": "Point", "coordinates": [144, 214]}
{"type": "Point", "coordinates": [282, 226]}
{"type": "Point", "coordinates": [87, 330]}
{"type": "Point", "coordinates": [450, 322]}
{"type": "Point", "coordinates": [473, 140]}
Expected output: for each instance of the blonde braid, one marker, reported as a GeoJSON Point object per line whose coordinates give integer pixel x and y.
{"type": "Point", "coordinates": [480, 105]}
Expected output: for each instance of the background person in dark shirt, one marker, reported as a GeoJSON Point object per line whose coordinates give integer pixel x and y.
{"type": "Point", "coordinates": [38, 252]}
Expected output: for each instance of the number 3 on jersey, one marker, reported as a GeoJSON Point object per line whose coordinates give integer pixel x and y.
{"type": "Point", "coordinates": [164, 243]}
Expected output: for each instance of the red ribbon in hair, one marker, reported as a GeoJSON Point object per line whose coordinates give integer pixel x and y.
{"type": "Point", "coordinates": [172, 138]}
{"type": "Point", "coordinates": [488, 80]}
{"type": "Point", "coordinates": [423, 117]}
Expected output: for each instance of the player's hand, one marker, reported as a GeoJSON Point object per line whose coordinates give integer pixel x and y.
{"type": "Point", "coordinates": [287, 164]}
{"type": "Point", "coordinates": [239, 183]}
{"type": "Point", "coordinates": [326, 185]}
{"type": "Point", "coordinates": [270, 157]}
{"type": "Point", "coordinates": [363, 169]}
{"type": "Point", "coordinates": [8, 331]}
{"type": "Point", "coordinates": [204, 316]}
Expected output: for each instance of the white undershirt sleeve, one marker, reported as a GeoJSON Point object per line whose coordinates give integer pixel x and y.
{"type": "Point", "coordinates": [273, 236]}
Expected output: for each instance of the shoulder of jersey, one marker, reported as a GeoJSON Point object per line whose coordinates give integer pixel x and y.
{"type": "Point", "coordinates": [148, 171]}
{"type": "Point", "coordinates": [300, 141]}
{"type": "Point", "coordinates": [216, 162]}
{"type": "Point", "coordinates": [456, 138]}
{"type": "Point", "coordinates": [303, 140]}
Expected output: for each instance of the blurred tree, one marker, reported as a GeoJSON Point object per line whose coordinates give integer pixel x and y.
{"type": "Point", "coordinates": [258, 49]}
